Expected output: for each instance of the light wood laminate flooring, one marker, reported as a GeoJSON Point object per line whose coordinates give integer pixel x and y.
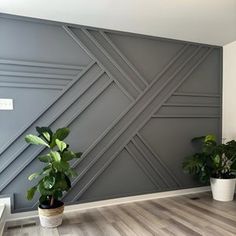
{"type": "Point", "coordinates": [191, 215]}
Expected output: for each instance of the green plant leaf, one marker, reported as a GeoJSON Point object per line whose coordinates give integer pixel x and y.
{"type": "Point", "coordinates": [45, 158]}
{"type": "Point", "coordinates": [78, 154]}
{"type": "Point", "coordinates": [46, 132]}
{"type": "Point", "coordinates": [47, 169]}
{"type": "Point", "coordinates": [31, 192]}
{"type": "Point", "coordinates": [60, 134]}
{"type": "Point", "coordinates": [62, 182]}
{"type": "Point", "coordinates": [32, 139]}
{"type": "Point", "coordinates": [61, 166]}
{"type": "Point", "coordinates": [48, 182]}
{"type": "Point", "coordinates": [200, 138]}
{"type": "Point", "coordinates": [72, 173]}
{"type": "Point", "coordinates": [68, 183]}
{"type": "Point", "coordinates": [210, 138]}
{"type": "Point", "coordinates": [47, 136]}
{"type": "Point", "coordinates": [61, 145]}
{"type": "Point", "coordinates": [216, 160]}
{"type": "Point", "coordinates": [44, 191]}
{"type": "Point", "coordinates": [57, 166]}
{"type": "Point", "coordinates": [55, 156]}
{"type": "Point", "coordinates": [68, 155]}
{"type": "Point", "coordinates": [58, 194]}
{"type": "Point", "coordinates": [33, 176]}
{"type": "Point", "coordinates": [65, 165]}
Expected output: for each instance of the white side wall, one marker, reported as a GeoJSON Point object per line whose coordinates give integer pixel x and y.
{"type": "Point", "coordinates": [229, 91]}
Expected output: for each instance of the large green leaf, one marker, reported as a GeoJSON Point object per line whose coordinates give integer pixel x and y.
{"type": "Point", "coordinates": [47, 170]}
{"type": "Point", "coordinates": [62, 166]}
{"type": "Point", "coordinates": [210, 138]}
{"type": "Point", "coordinates": [46, 132]}
{"type": "Point", "coordinates": [32, 139]}
{"type": "Point", "coordinates": [60, 134]}
{"type": "Point", "coordinates": [62, 182]}
{"type": "Point", "coordinates": [61, 145]}
{"type": "Point", "coordinates": [48, 182]}
{"type": "Point", "coordinates": [68, 155]}
{"type": "Point", "coordinates": [33, 176]}
{"type": "Point", "coordinates": [216, 160]}
{"type": "Point", "coordinates": [55, 156]}
{"type": "Point", "coordinates": [31, 192]}
{"type": "Point", "coordinates": [43, 190]}
{"type": "Point", "coordinates": [45, 158]}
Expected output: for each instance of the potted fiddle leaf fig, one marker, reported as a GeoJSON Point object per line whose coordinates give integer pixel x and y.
{"type": "Point", "coordinates": [215, 163]}
{"type": "Point", "coordinates": [55, 177]}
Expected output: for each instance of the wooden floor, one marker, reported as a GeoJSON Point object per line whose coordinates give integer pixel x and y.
{"type": "Point", "coordinates": [185, 215]}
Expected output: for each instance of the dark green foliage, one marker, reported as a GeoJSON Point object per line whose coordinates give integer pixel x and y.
{"type": "Point", "coordinates": [214, 160]}
{"type": "Point", "coordinates": [55, 176]}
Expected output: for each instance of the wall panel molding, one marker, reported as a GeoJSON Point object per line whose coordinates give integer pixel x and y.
{"type": "Point", "coordinates": [84, 179]}
{"type": "Point", "coordinates": [102, 88]}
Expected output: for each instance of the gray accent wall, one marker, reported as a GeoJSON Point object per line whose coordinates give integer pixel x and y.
{"type": "Point", "coordinates": [132, 103]}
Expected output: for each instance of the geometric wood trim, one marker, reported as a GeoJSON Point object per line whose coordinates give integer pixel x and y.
{"type": "Point", "coordinates": [200, 57]}
{"type": "Point", "coordinates": [137, 77]}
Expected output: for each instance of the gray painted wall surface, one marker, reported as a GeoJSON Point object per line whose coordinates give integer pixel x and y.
{"type": "Point", "coordinates": [132, 103]}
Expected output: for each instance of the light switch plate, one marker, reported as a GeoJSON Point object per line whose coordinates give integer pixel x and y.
{"type": "Point", "coordinates": [6, 104]}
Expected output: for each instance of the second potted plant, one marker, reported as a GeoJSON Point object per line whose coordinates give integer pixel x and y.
{"type": "Point", "coordinates": [54, 177]}
{"type": "Point", "coordinates": [216, 163]}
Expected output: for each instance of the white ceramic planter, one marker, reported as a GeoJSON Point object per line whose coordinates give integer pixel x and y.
{"type": "Point", "coordinates": [223, 189]}
{"type": "Point", "coordinates": [51, 218]}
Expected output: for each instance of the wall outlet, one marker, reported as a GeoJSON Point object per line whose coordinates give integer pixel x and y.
{"type": "Point", "coordinates": [6, 104]}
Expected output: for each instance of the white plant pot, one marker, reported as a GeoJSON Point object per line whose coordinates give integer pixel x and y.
{"type": "Point", "coordinates": [51, 218]}
{"type": "Point", "coordinates": [223, 189]}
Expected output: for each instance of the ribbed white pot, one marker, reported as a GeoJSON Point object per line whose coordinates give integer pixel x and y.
{"type": "Point", "coordinates": [223, 189]}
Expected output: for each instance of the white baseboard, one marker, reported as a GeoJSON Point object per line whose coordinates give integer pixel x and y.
{"type": "Point", "coordinates": [110, 202]}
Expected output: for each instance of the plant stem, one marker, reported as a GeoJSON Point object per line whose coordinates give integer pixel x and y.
{"type": "Point", "coordinates": [51, 201]}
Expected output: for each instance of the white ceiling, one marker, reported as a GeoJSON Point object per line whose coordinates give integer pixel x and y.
{"type": "Point", "coordinates": [205, 21]}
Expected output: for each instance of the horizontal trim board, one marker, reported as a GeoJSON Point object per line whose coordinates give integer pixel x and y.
{"type": "Point", "coordinates": [41, 64]}
{"type": "Point", "coordinates": [197, 95]}
{"type": "Point", "coordinates": [113, 202]}
{"type": "Point", "coordinates": [33, 86]}
{"type": "Point", "coordinates": [36, 75]}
